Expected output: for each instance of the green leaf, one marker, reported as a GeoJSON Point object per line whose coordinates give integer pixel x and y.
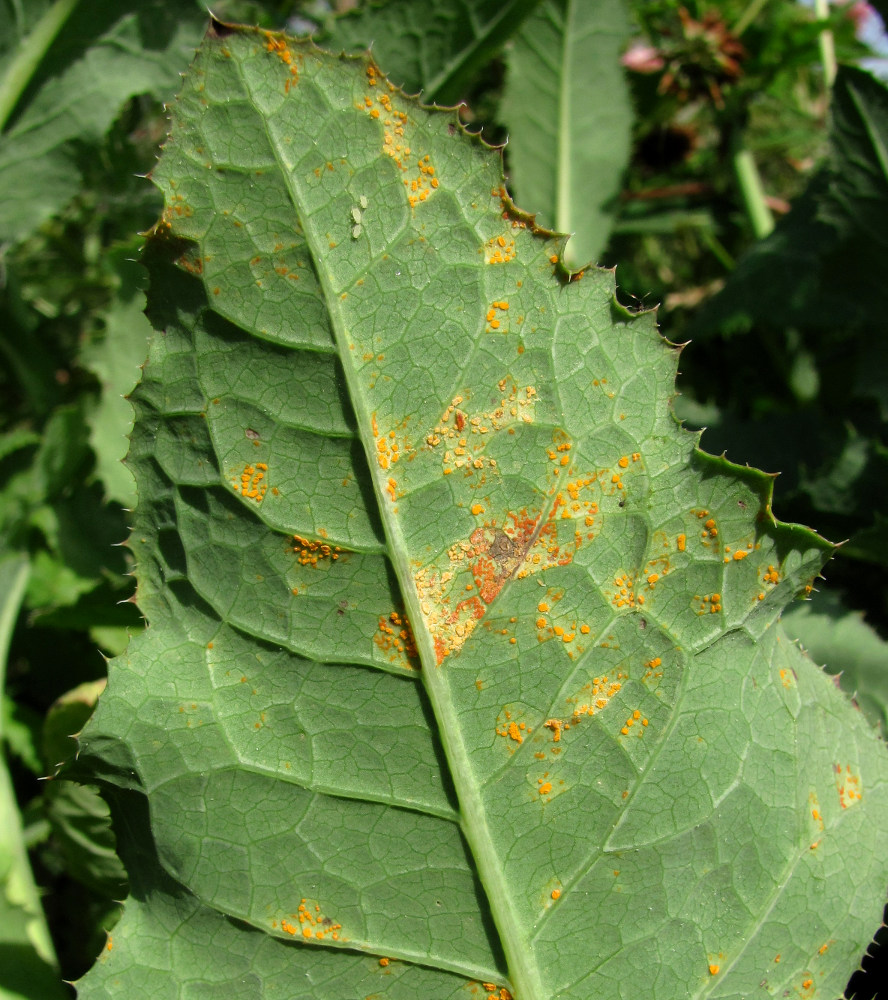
{"type": "Point", "coordinates": [569, 116]}
{"type": "Point", "coordinates": [434, 47]}
{"type": "Point", "coordinates": [81, 824]}
{"type": "Point", "coordinates": [66, 717]}
{"type": "Point", "coordinates": [116, 359]}
{"type": "Point", "coordinates": [842, 640]}
{"type": "Point", "coordinates": [106, 53]}
{"type": "Point", "coordinates": [243, 962]}
{"type": "Point", "coordinates": [28, 969]}
{"type": "Point", "coordinates": [461, 655]}
{"type": "Point", "coordinates": [823, 266]}
{"type": "Point", "coordinates": [17, 439]}
{"type": "Point", "coordinates": [21, 728]}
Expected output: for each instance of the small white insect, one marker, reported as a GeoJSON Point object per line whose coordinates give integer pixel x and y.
{"type": "Point", "coordinates": [357, 215]}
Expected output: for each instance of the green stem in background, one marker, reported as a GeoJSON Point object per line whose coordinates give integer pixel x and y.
{"type": "Point", "coordinates": [715, 245]}
{"type": "Point", "coordinates": [17, 880]}
{"type": "Point", "coordinates": [748, 16]}
{"type": "Point", "coordinates": [753, 193]}
{"type": "Point", "coordinates": [827, 43]}
{"type": "Point", "coordinates": [30, 53]}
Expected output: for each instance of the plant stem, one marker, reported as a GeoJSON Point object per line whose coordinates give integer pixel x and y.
{"type": "Point", "coordinates": [753, 193]}
{"type": "Point", "coordinates": [747, 17]}
{"type": "Point", "coordinates": [30, 53]}
{"type": "Point", "coordinates": [827, 43]}
{"type": "Point", "coordinates": [709, 239]}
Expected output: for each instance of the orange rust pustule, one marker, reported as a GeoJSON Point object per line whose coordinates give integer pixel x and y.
{"type": "Point", "coordinates": [395, 635]}
{"type": "Point", "coordinates": [311, 924]}
{"type": "Point", "coordinates": [310, 552]}
{"type": "Point", "coordinates": [277, 45]}
{"type": "Point", "coordinates": [491, 554]}
{"type": "Point", "coordinates": [250, 482]}
{"type": "Point", "coordinates": [496, 994]}
{"type": "Point", "coordinates": [500, 552]}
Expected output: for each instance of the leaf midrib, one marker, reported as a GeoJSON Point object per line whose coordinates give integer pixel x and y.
{"type": "Point", "coordinates": [523, 972]}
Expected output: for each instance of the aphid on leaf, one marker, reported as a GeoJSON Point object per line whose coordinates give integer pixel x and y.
{"type": "Point", "coordinates": [357, 215]}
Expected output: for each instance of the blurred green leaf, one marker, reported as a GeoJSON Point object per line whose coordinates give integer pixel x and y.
{"type": "Point", "coordinates": [823, 267]}
{"type": "Point", "coordinates": [16, 440]}
{"type": "Point", "coordinates": [115, 357]}
{"type": "Point", "coordinates": [436, 47]}
{"type": "Point", "coordinates": [81, 823]}
{"type": "Point", "coordinates": [112, 639]}
{"type": "Point", "coordinates": [21, 731]}
{"type": "Point", "coordinates": [567, 107]}
{"type": "Point", "coordinates": [66, 717]}
{"type": "Point", "coordinates": [54, 584]}
{"type": "Point", "coordinates": [871, 543]}
{"type": "Point", "coordinates": [839, 638]}
{"type": "Point", "coordinates": [17, 20]}
{"type": "Point", "coordinates": [28, 968]}
{"type": "Point", "coordinates": [108, 52]}
{"type": "Point", "coordinates": [24, 973]}
{"type": "Point", "coordinates": [62, 454]}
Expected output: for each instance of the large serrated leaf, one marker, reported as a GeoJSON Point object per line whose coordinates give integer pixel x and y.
{"type": "Point", "coordinates": [567, 108]}
{"type": "Point", "coordinates": [463, 665]}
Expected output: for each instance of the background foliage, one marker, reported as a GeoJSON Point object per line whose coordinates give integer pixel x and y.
{"type": "Point", "coordinates": [779, 293]}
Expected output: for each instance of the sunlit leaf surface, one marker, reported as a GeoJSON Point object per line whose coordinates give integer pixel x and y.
{"type": "Point", "coordinates": [463, 676]}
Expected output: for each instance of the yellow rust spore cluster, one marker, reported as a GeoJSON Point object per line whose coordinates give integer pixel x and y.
{"type": "Point", "coordinates": [709, 533]}
{"type": "Point", "coordinates": [420, 181]}
{"type": "Point", "coordinates": [572, 632]}
{"type": "Point", "coordinates": [622, 464]}
{"type": "Point", "coordinates": [395, 637]}
{"type": "Point", "coordinates": [495, 319]}
{"type": "Point", "coordinates": [387, 448]}
{"type": "Point", "coordinates": [310, 552]}
{"type": "Point", "coordinates": [277, 45]}
{"type": "Point", "coordinates": [636, 716]}
{"type": "Point", "coordinates": [499, 249]}
{"type": "Point", "coordinates": [310, 923]}
{"type": "Point", "coordinates": [460, 436]}
{"type": "Point", "coordinates": [572, 501]}
{"type": "Point", "coordinates": [175, 208]}
{"type": "Point", "coordinates": [250, 484]}
{"type": "Point", "coordinates": [509, 729]}
{"type": "Point", "coordinates": [624, 595]}
{"type": "Point", "coordinates": [454, 597]}
{"type": "Point", "coordinates": [708, 604]}
{"type": "Point", "coordinates": [653, 669]}
{"type": "Point", "coordinates": [549, 549]}
{"type": "Point", "coordinates": [496, 993]}
{"type": "Point", "coordinates": [848, 786]}
{"type": "Point", "coordinates": [594, 698]}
